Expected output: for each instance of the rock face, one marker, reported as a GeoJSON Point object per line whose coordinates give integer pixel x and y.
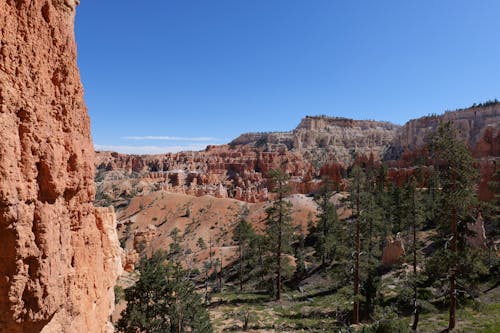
{"type": "Point", "coordinates": [59, 255]}
{"type": "Point", "coordinates": [319, 146]}
{"type": "Point", "coordinates": [239, 170]}
{"type": "Point", "coordinates": [393, 252]}
{"type": "Point", "coordinates": [220, 171]}
{"type": "Point", "coordinates": [478, 126]}
{"type": "Point", "coordinates": [326, 139]}
{"type": "Point", "coordinates": [478, 238]}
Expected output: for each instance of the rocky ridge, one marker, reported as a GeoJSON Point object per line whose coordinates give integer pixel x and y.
{"type": "Point", "coordinates": [323, 139]}
{"type": "Point", "coordinates": [319, 146]}
{"type": "Point", "coordinates": [478, 126]}
{"type": "Point", "coordinates": [220, 171]}
{"type": "Point", "coordinates": [60, 256]}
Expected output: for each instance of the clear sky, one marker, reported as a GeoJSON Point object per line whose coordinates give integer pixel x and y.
{"type": "Point", "coordinates": [164, 75]}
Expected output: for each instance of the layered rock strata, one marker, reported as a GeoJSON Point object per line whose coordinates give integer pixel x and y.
{"type": "Point", "coordinates": [59, 256]}
{"type": "Point", "coordinates": [479, 127]}
{"type": "Point", "coordinates": [319, 146]}
{"type": "Point", "coordinates": [220, 171]}
{"type": "Point", "coordinates": [323, 139]}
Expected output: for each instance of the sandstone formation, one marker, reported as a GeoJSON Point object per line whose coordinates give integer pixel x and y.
{"type": "Point", "coordinates": [59, 255]}
{"type": "Point", "coordinates": [320, 146]}
{"type": "Point", "coordinates": [221, 171]}
{"type": "Point", "coordinates": [478, 126]}
{"type": "Point", "coordinates": [393, 252]}
{"type": "Point", "coordinates": [478, 237]}
{"type": "Point", "coordinates": [323, 139]}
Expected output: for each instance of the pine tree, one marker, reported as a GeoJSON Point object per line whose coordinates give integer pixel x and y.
{"type": "Point", "coordinates": [371, 229]}
{"type": "Point", "coordinates": [432, 197]}
{"type": "Point", "coordinates": [243, 235]}
{"type": "Point", "coordinates": [258, 246]}
{"type": "Point", "coordinates": [200, 243]}
{"type": "Point", "coordinates": [163, 300]}
{"type": "Point", "coordinates": [457, 177]}
{"type": "Point", "coordinates": [279, 226]}
{"type": "Point", "coordinates": [324, 231]}
{"type": "Point", "coordinates": [414, 216]}
{"type": "Point", "coordinates": [175, 250]}
{"type": "Point", "coordinates": [490, 211]}
{"type": "Point", "coordinates": [300, 267]}
{"type": "Point", "coordinates": [364, 197]}
{"type": "Point", "coordinates": [355, 189]}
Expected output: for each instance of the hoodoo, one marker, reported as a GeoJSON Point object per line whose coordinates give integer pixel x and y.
{"type": "Point", "coordinates": [59, 256]}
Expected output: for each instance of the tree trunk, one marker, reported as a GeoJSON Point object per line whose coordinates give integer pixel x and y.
{"type": "Point", "coordinates": [323, 259]}
{"type": "Point", "coordinates": [355, 315]}
{"type": "Point", "coordinates": [220, 271]}
{"type": "Point", "coordinates": [261, 263]}
{"type": "Point", "coordinates": [453, 299]}
{"type": "Point", "coordinates": [206, 286]}
{"type": "Point", "coordinates": [370, 233]}
{"type": "Point", "coordinates": [241, 266]}
{"type": "Point", "coordinates": [415, 295]}
{"type": "Point", "coordinates": [278, 254]}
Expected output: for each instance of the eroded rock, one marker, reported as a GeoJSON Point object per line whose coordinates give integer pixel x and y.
{"type": "Point", "coordinates": [59, 255]}
{"type": "Point", "coordinates": [394, 252]}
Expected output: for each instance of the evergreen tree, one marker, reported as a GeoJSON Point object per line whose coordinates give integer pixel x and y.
{"type": "Point", "coordinates": [368, 219]}
{"type": "Point", "coordinates": [243, 235]}
{"type": "Point", "coordinates": [208, 265]}
{"type": "Point", "coordinates": [414, 216]}
{"type": "Point", "coordinates": [175, 250]}
{"type": "Point", "coordinates": [371, 231]}
{"type": "Point", "coordinates": [279, 227]}
{"type": "Point", "coordinates": [457, 178]}
{"type": "Point", "coordinates": [491, 214]}
{"type": "Point", "coordinates": [324, 231]}
{"type": "Point", "coordinates": [163, 300]}
{"type": "Point", "coordinates": [397, 209]}
{"type": "Point", "coordinates": [300, 269]}
{"type": "Point", "coordinates": [258, 245]}
{"type": "Point", "coordinates": [432, 197]}
{"type": "Point", "coordinates": [200, 243]}
{"type": "Point", "coordinates": [355, 189]}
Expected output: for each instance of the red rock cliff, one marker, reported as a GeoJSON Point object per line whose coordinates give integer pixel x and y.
{"type": "Point", "coordinates": [59, 256]}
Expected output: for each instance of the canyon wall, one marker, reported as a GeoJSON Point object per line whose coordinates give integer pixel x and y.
{"type": "Point", "coordinates": [220, 171]}
{"type": "Point", "coordinates": [59, 256]}
{"type": "Point", "coordinates": [319, 146]}
{"type": "Point", "coordinates": [323, 139]}
{"type": "Point", "coordinates": [479, 127]}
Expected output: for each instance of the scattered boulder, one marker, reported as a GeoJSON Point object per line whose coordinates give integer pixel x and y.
{"type": "Point", "coordinates": [394, 252]}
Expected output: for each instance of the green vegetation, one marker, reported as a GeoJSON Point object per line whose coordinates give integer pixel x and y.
{"type": "Point", "coordinates": [163, 300]}
{"type": "Point", "coordinates": [279, 231]}
{"type": "Point", "coordinates": [325, 234]}
{"type": "Point", "coordinates": [334, 278]}
{"type": "Point", "coordinates": [243, 236]}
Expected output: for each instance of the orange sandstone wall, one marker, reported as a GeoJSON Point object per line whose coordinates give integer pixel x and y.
{"type": "Point", "coordinates": [59, 256]}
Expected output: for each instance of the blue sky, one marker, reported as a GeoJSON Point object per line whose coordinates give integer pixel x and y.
{"type": "Point", "coordinates": [164, 75]}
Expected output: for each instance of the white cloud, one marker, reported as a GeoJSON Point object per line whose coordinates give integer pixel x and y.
{"type": "Point", "coordinates": [149, 150]}
{"type": "Point", "coordinates": [170, 138]}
